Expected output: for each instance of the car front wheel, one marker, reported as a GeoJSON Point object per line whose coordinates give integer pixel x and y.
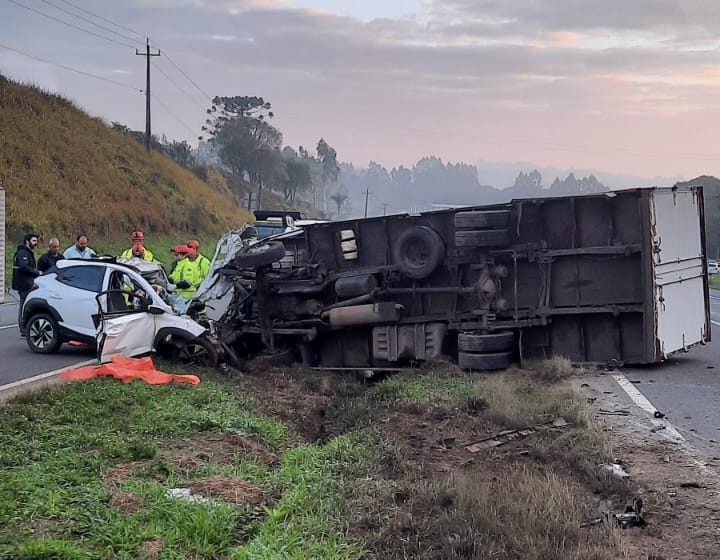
{"type": "Point", "coordinates": [42, 334]}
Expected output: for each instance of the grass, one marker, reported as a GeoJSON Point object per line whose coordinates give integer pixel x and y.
{"type": "Point", "coordinates": [65, 173]}
{"type": "Point", "coordinates": [715, 281]}
{"type": "Point", "coordinates": [84, 471]}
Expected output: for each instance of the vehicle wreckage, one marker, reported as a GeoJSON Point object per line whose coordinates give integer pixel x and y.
{"type": "Point", "coordinates": [612, 278]}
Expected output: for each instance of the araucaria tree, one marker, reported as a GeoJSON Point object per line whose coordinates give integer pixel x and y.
{"type": "Point", "coordinates": [247, 144]}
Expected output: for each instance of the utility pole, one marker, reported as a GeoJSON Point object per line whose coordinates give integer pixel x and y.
{"type": "Point", "coordinates": [367, 195]}
{"type": "Point", "coordinates": [147, 54]}
{"type": "Point", "coordinates": [385, 207]}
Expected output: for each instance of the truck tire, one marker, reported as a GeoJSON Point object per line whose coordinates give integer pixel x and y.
{"type": "Point", "coordinates": [482, 219]}
{"type": "Point", "coordinates": [482, 238]}
{"type": "Point", "coordinates": [260, 254]}
{"type": "Point", "coordinates": [493, 342]}
{"type": "Point", "coordinates": [418, 252]}
{"type": "Point", "coordinates": [485, 362]}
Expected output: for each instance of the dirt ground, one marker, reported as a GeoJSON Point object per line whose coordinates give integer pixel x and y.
{"type": "Point", "coordinates": [680, 488]}
{"type": "Point", "coordinates": [679, 492]}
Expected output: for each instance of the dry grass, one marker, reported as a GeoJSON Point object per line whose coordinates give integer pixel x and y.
{"type": "Point", "coordinates": [517, 513]}
{"type": "Point", "coordinates": [66, 172]}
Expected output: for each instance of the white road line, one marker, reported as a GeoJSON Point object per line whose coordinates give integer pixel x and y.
{"type": "Point", "coordinates": [715, 323]}
{"type": "Point", "coordinates": [669, 431]}
{"type": "Point", "coordinates": [42, 376]}
{"type": "Point", "coordinates": [8, 327]}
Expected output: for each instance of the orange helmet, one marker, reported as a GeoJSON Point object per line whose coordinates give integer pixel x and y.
{"type": "Point", "coordinates": [193, 244]}
{"type": "Point", "coordinates": [179, 249]}
{"type": "Point", "coordinates": [137, 235]}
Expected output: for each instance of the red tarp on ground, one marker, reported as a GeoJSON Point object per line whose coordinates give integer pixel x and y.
{"type": "Point", "coordinates": [127, 370]}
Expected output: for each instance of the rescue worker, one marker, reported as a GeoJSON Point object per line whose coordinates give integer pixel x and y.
{"type": "Point", "coordinates": [138, 238]}
{"type": "Point", "coordinates": [180, 276]}
{"type": "Point", "coordinates": [24, 271]}
{"type": "Point", "coordinates": [186, 276]}
{"type": "Point", "coordinates": [53, 255]}
{"type": "Point", "coordinates": [80, 250]}
{"type": "Point", "coordinates": [203, 261]}
{"type": "Point", "coordinates": [199, 261]}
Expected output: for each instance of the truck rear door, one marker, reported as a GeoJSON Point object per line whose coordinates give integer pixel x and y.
{"type": "Point", "coordinates": [677, 224]}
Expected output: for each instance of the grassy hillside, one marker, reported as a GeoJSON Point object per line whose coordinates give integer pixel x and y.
{"type": "Point", "coordinates": [66, 172]}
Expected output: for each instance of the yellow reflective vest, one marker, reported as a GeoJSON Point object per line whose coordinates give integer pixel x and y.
{"type": "Point", "coordinates": [190, 272]}
{"type": "Point", "coordinates": [148, 255]}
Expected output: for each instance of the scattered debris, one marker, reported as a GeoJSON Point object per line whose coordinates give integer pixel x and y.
{"type": "Point", "coordinates": [691, 484]}
{"type": "Point", "coordinates": [618, 412]}
{"type": "Point", "coordinates": [659, 414]}
{"type": "Point", "coordinates": [631, 517]}
{"type": "Point", "coordinates": [185, 494]}
{"type": "Point", "coordinates": [615, 470]}
{"type": "Point", "coordinates": [657, 429]}
{"type": "Point", "coordinates": [505, 436]}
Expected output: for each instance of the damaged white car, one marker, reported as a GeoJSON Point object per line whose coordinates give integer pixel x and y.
{"type": "Point", "coordinates": [116, 306]}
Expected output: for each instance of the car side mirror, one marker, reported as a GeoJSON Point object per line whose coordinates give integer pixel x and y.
{"type": "Point", "coordinates": [155, 310]}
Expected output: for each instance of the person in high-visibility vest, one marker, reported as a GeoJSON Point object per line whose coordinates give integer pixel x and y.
{"type": "Point", "coordinates": [186, 276]}
{"type": "Point", "coordinates": [203, 261]}
{"type": "Point", "coordinates": [138, 238]}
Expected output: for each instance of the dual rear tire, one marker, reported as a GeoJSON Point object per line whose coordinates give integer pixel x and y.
{"type": "Point", "coordinates": [486, 352]}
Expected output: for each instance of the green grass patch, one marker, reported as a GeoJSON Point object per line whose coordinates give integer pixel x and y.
{"type": "Point", "coordinates": [715, 281]}
{"type": "Point", "coordinates": [430, 388]}
{"type": "Point", "coordinates": [58, 446]}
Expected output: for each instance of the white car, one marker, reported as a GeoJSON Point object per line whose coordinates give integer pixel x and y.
{"type": "Point", "coordinates": [113, 305]}
{"type": "Point", "coordinates": [713, 267]}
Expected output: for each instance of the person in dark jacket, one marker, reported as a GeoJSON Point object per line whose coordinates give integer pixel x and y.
{"type": "Point", "coordinates": [24, 272]}
{"type": "Point", "coordinates": [53, 255]}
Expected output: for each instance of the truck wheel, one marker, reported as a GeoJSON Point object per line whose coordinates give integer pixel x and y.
{"type": "Point", "coordinates": [482, 238]}
{"type": "Point", "coordinates": [260, 254]}
{"type": "Point", "coordinates": [493, 342]}
{"type": "Point", "coordinates": [42, 334]}
{"type": "Point", "coordinates": [418, 252]}
{"type": "Point", "coordinates": [197, 352]}
{"type": "Point", "coordinates": [485, 362]}
{"type": "Point", "coordinates": [482, 219]}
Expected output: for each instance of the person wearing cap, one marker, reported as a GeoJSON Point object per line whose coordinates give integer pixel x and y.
{"type": "Point", "coordinates": [190, 275]}
{"type": "Point", "coordinates": [138, 239]}
{"type": "Point", "coordinates": [182, 274]}
{"type": "Point", "coordinates": [201, 262]}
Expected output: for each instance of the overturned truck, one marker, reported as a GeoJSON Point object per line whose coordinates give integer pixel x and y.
{"type": "Point", "coordinates": [613, 278]}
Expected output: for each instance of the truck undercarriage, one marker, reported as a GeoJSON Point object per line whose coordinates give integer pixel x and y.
{"type": "Point", "coordinates": [612, 278]}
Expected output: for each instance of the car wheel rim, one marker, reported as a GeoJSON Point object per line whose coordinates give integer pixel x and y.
{"type": "Point", "coordinates": [41, 333]}
{"type": "Point", "coordinates": [194, 354]}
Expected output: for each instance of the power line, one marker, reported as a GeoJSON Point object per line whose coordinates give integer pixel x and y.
{"type": "Point", "coordinates": [142, 35]}
{"type": "Point", "coordinates": [173, 115]}
{"type": "Point", "coordinates": [70, 24]}
{"type": "Point", "coordinates": [180, 89]}
{"type": "Point", "coordinates": [170, 60]}
{"type": "Point", "coordinates": [90, 21]}
{"type": "Point", "coordinates": [71, 69]}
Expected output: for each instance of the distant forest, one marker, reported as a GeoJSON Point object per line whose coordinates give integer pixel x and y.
{"type": "Point", "coordinates": [430, 183]}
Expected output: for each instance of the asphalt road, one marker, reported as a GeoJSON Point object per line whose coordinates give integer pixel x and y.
{"type": "Point", "coordinates": [18, 362]}
{"type": "Point", "coordinates": [687, 388]}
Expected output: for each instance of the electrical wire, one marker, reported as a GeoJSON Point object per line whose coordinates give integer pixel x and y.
{"type": "Point", "coordinates": [170, 60]}
{"type": "Point", "coordinates": [91, 22]}
{"type": "Point", "coordinates": [180, 89]}
{"type": "Point", "coordinates": [70, 24]}
{"type": "Point", "coordinates": [172, 114]}
{"type": "Point", "coordinates": [70, 68]}
{"type": "Point", "coordinates": [103, 19]}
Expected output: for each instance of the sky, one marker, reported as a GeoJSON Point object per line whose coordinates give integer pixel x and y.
{"type": "Point", "coordinates": [614, 86]}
